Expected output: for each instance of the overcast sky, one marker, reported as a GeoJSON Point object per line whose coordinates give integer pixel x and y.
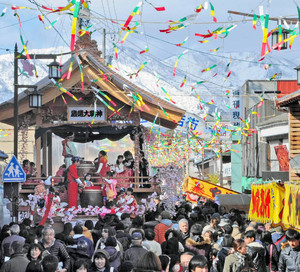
{"type": "Point", "coordinates": [242, 38]}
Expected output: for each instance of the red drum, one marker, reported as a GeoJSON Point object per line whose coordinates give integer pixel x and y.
{"type": "Point", "coordinates": [91, 196]}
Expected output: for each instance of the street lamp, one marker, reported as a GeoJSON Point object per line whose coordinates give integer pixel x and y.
{"type": "Point", "coordinates": [298, 74]}
{"type": "Point", "coordinates": [54, 70]}
{"type": "Point", "coordinates": [275, 38]}
{"type": "Point", "coordinates": [35, 99]}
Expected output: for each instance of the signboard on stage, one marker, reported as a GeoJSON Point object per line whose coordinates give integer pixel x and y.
{"type": "Point", "coordinates": [86, 114]}
{"type": "Point", "coordinates": [13, 172]}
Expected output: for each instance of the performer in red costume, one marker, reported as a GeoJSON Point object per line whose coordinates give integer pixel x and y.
{"type": "Point", "coordinates": [101, 165]}
{"type": "Point", "coordinates": [73, 182]}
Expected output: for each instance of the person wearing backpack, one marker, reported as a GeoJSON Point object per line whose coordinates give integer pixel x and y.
{"type": "Point", "coordinates": [73, 182]}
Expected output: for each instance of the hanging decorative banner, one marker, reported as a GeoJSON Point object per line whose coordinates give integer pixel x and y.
{"type": "Point", "coordinates": [199, 8]}
{"type": "Point", "coordinates": [133, 13]}
{"type": "Point", "coordinates": [212, 12]}
{"type": "Point", "coordinates": [3, 12]}
{"type": "Point", "coordinates": [273, 77]}
{"type": "Point", "coordinates": [183, 82]}
{"type": "Point", "coordinates": [203, 188]}
{"type": "Point", "coordinates": [254, 21]}
{"type": "Point", "coordinates": [209, 68]}
{"type": "Point", "coordinates": [181, 44]}
{"type": "Point", "coordinates": [265, 37]}
{"type": "Point", "coordinates": [157, 8]}
{"type": "Point", "coordinates": [282, 154]}
{"type": "Point", "coordinates": [74, 24]}
{"type": "Point", "coordinates": [116, 50]}
{"type": "Point", "coordinates": [175, 66]}
{"type": "Point", "coordinates": [144, 51]}
{"type": "Point", "coordinates": [143, 65]}
{"type": "Point", "coordinates": [267, 203]}
{"type": "Point", "coordinates": [291, 214]}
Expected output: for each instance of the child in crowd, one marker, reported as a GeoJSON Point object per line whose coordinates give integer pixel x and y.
{"type": "Point", "coordinates": [87, 180]}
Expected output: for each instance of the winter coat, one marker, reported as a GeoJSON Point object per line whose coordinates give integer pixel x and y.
{"type": "Point", "coordinates": [222, 254]}
{"type": "Point", "coordinates": [124, 239]}
{"type": "Point", "coordinates": [257, 253]}
{"type": "Point", "coordinates": [160, 230]}
{"type": "Point", "coordinates": [59, 250]}
{"type": "Point", "coordinates": [17, 263]}
{"type": "Point", "coordinates": [231, 263]}
{"type": "Point", "coordinates": [115, 256]}
{"type": "Point", "coordinates": [76, 254]}
{"type": "Point", "coordinates": [81, 237]}
{"type": "Point", "coordinates": [134, 254]}
{"type": "Point", "coordinates": [236, 234]}
{"type": "Point", "coordinates": [275, 257]}
{"type": "Point", "coordinates": [152, 246]}
{"type": "Point", "coordinates": [198, 248]}
{"type": "Point", "coordinates": [289, 260]}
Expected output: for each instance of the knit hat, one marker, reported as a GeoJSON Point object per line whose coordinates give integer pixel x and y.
{"type": "Point", "coordinates": [104, 252]}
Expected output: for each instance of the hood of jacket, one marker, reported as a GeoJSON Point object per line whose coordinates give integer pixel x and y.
{"type": "Point", "coordinates": [113, 253]}
{"type": "Point", "coordinates": [166, 222]}
{"type": "Point", "coordinates": [255, 244]}
{"type": "Point", "coordinates": [191, 242]}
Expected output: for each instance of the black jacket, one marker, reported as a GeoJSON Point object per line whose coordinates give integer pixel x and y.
{"type": "Point", "coordinates": [222, 254]}
{"type": "Point", "coordinates": [275, 257]}
{"type": "Point", "coordinates": [257, 252]}
{"type": "Point", "coordinates": [289, 260]}
{"type": "Point", "coordinates": [59, 250]}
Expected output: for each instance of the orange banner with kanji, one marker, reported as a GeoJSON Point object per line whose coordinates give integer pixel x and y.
{"type": "Point", "coordinates": [195, 188]}
{"type": "Point", "coordinates": [267, 203]}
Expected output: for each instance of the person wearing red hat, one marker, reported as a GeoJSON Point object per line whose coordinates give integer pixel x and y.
{"type": "Point", "coordinates": [73, 182]}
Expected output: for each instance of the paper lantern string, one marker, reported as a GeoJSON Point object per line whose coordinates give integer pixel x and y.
{"type": "Point", "coordinates": [144, 51]}
{"type": "Point", "coordinates": [175, 66]}
{"type": "Point", "coordinates": [74, 24]}
{"type": "Point", "coordinates": [212, 12]}
{"type": "Point", "coordinates": [183, 82]}
{"type": "Point", "coordinates": [254, 22]}
{"type": "Point", "coordinates": [3, 12]}
{"type": "Point", "coordinates": [157, 8]}
{"type": "Point", "coordinates": [142, 66]}
{"type": "Point", "coordinates": [64, 90]}
{"type": "Point", "coordinates": [181, 44]}
{"type": "Point", "coordinates": [133, 13]}
{"type": "Point", "coordinates": [209, 68]}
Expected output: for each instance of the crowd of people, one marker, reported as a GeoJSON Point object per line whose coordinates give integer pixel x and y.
{"type": "Point", "coordinates": [198, 239]}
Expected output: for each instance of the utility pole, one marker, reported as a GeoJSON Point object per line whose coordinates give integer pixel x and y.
{"type": "Point", "coordinates": [104, 44]}
{"type": "Point", "coordinates": [16, 102]}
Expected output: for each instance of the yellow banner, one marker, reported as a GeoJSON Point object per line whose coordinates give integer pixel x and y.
{"type": "Point", "coordinates": [266, 203]}
{"type": "Point", "coordinates": [193, 186]}
{"type": "Point", "coordinates": [291, 213]}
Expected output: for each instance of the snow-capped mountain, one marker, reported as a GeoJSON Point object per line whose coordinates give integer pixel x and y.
{"type": "Point", "coordinates": [157, 75]}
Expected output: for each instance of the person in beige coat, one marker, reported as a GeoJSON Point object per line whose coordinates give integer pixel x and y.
{"type": "Point", "coordinates": [238, 259]}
